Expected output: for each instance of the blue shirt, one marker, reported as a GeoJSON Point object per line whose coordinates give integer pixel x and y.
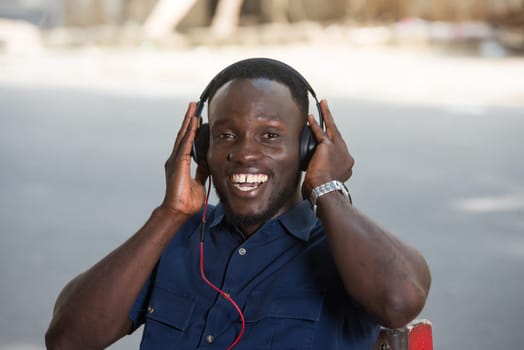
{"type": "Point", "coordinates": [282, 277]}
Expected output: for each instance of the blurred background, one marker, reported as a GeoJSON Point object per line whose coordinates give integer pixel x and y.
{"type": "Point", "coordinates": [429, 95]}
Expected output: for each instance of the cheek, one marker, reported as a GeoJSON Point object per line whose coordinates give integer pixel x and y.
{"type": "Point", "coordinates": [288, 161]}
{"type": "Point", "coordinates": [292, 151]}
{"type": "Point", "coordinates": [215, 157]}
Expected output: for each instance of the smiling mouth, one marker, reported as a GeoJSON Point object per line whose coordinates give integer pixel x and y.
{"type": "Point", "coordinates": [248, 182]}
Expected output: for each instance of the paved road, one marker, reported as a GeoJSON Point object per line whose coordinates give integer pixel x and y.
{"type": "Point", "coordinates": [80, 171]}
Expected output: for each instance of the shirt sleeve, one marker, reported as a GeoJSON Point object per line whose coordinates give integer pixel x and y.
{"type": "Point", "coordinates": [138, 311]}
{"type": "Point", "coordinates": [139, 308]}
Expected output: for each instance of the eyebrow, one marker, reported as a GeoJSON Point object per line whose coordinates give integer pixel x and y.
{"type": "Point", "coordinates": [265, 117]}
{"type": "Point", "coordinates": [270, 117]}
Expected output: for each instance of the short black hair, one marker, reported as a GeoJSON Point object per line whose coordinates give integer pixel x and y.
{"type": "Point", "coordinates": [254, 68]}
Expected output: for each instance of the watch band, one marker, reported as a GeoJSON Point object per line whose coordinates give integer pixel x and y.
{"type": "Point", "coordinates": [326, 188]}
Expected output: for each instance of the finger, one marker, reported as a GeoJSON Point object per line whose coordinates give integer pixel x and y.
{"type": "Point", "coordinates": [185, 124]}
{"type": "Point", "coordinates": [319, 134]}
{"type": "Point", "coordinates": [331, 127]}
{"type": "Point", "coordinates": [186, 143]}
{"type": "Point", "coordinates": [181, 132]}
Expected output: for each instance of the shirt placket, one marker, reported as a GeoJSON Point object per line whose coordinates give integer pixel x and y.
{"type": "Point", "coordinates": [244, 265]}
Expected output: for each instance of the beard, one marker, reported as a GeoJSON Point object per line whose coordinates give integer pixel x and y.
{"type": "Point", "coordinates": [275, 203]}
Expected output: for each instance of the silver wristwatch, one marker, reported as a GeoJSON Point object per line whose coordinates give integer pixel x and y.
{"type": "Point", "coordinates": [325, 188]}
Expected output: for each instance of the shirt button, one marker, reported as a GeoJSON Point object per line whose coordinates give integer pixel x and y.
{"type": "Point", "coordinates": [210, 339]}
{"type": "Point", "coordinates": [242, 251]}
{"type": "Point", "coordinates": [150, 309]}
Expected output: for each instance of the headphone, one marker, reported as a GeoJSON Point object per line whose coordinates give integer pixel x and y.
{"type": "Point", "coordinates": [307, 139]}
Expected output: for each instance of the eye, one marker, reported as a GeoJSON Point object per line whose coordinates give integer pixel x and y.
{"type": "Point", "coordinates": [270, 135]}
{"type": "Point", "coordinates": [226, 136]}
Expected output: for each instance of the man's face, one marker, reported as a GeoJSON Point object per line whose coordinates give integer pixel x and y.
{"type": "Point", "coordinates": [253, 153]}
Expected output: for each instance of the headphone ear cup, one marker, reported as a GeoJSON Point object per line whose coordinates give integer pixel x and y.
{"type": "Point", "coordinates": [201, 145]}
{"type": "Point", "coordinates": [308, 143]}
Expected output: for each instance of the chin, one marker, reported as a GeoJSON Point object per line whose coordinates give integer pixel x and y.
{"type": "Point", "coordinates": [256, 211]}
{"type": "Point", "coordinates": [245, 218]}
{"type": "Point", "coordinates": [242, 216]}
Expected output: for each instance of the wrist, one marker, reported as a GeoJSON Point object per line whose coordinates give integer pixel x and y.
{"type": "Point", "coordinates": [328, 187]}
{"type": "Point", "coordinates": [164, 212]}
{"type": "Point", "coordinates": [311, 183]}
{"type": "Point", "coordinates": [175, 205]}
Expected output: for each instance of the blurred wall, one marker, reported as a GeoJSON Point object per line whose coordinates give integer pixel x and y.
{"type": "Point", "coordinates": [99, 11]}
{"type": "Point", "coordinates": [116, 12]}
{"type": "Point", "coordinates": [42, 13]}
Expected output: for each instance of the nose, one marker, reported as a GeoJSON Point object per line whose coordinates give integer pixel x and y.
{"type": "Point", "coordinates": [245, 151]}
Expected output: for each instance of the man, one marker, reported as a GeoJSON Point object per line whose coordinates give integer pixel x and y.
{"type": "Point", "coordinates": [288, 277]}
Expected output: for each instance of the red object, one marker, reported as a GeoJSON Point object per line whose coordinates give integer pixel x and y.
{"type": "Point", "coordinates": [420, 336]}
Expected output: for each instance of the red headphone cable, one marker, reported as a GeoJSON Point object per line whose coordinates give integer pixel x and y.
{"type": "Point", "coordinates": [218, 290]}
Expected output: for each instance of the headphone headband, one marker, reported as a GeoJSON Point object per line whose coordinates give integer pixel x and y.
{"type": "Point", "coordinates": [205, 94]}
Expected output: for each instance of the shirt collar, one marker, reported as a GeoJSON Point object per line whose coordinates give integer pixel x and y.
{"type": "Point", "coordinates": [218, 215]}
{"type": "Point", "coordinates": [298, 222]}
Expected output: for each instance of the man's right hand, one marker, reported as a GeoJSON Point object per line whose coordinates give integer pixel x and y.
{"type": "Point", "coordinates": [184, 195]}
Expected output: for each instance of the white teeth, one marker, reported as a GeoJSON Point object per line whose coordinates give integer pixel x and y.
{"type": "Point", "coordinates": [238, 178]}
{"type": "Point", "coordinates": [245, 188]}
{"type": "Point", "coordinates": [249, 178]}
{"type": "Point", "coordinates": [248, 182]}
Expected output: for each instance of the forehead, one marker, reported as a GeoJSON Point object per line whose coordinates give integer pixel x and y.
{"type": "Point", "coordinates": [257, 95]}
